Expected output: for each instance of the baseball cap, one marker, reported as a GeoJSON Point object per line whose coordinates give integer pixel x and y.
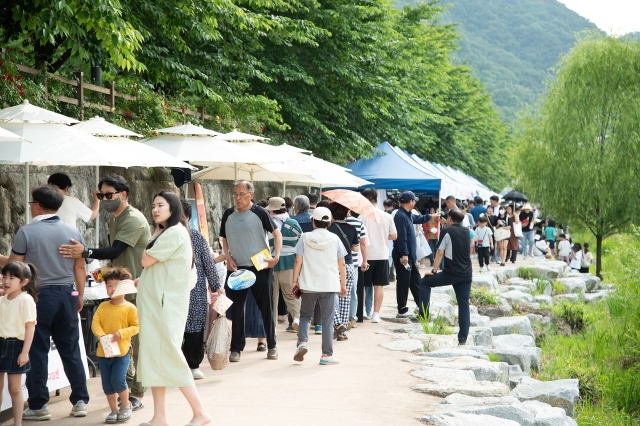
{"type": "Point", "coordinates": [322, 214]}
{"type": "Point", "coordinates": [276, 203]}
{"type": "Point", "coordinates": [408, 196]}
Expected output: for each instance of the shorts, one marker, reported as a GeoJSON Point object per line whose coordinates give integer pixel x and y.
{"type": "Point", "coordinates": [10, 350]}
{"type": "Point", "coordinates": [377, 274]}
{"type": "Point", "coordinates": [114, 373]}
{"type": "Point", "coordinates": [552, 245]}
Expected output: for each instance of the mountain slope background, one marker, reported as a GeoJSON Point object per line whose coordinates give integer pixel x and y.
{"type": "Point", "coordinates": [512, 44]}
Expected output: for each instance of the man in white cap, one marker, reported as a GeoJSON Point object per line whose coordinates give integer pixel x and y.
{"type": "Point", "coordinates": [283, 271]}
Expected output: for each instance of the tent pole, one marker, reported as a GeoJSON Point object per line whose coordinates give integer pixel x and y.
{"type": "Point", "coordinates": [235, 171]}
{"type": "Point", "coordinates": [251, 173]}
{"type": "Point", "coordinates": [98, 216]}
{"type": "Point", "coordinates": [309, 188]}
{"type": "Point", "coordinates": [284, 189]}
{"type": "Point", "coordinates": [27, 213]}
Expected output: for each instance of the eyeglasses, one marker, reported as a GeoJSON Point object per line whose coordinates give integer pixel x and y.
{"type": "Point", "coordinates": [33, 202]}
{"type": "Point", "coordinates": [240, 195]}
{"type": "Point", "coordinates": [106, 195]}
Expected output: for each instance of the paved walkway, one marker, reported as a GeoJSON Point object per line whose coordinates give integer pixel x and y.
{"type": "Point", "coordinates": [371, 386]}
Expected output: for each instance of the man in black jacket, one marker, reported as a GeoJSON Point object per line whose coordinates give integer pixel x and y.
{"type": "Point", "coordinates": [458, 272]}
{"type": "Point", "coordinates": [404, 252]}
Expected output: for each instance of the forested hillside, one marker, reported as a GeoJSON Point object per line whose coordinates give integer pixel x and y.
{"type": "Point", "coordinates": [511, 44]}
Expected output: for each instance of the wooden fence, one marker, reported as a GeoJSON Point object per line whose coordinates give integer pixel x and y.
{"type": "Point", "coordinates": [80, 85]}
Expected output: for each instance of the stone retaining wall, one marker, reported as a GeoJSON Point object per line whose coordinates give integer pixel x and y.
{"type": "Point", "coordinates": [144, 184]}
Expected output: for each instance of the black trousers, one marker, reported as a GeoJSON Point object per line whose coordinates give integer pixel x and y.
{"type": "Point", "coordinates": [262, 291]}
{"type": "Point", "coordinates": [193, 348]}
{"type": "Point", "coordinates": [484, 255]}
{"type": "Point", "coordinates": [57, 319]}
{"type": "Point", "coordinates": [405, 281]}
{"type": "Point", "coordinates": [282, 306]}
{"type": "Point", "coordinates": [511, 255]}
{"type": "Point", "coordinates": [462, 288]}
{"type": "Point", "coordinates": [360, 291]}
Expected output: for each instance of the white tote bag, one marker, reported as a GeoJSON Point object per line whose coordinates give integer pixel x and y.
{"type": "Point", "coordinates": [517, 229]}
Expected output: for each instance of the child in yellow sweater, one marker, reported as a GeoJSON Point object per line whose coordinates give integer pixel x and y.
{"type": "Point", "coordinates": [118, 318]}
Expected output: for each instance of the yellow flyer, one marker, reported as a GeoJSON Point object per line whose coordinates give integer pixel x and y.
{"type": "Point", "coordinates": [259, 260]}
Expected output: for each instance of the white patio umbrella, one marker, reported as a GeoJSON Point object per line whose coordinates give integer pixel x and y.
{"type": "Point", "coordinates": [239, 136]}
{"type": "Point", "coordinates": [250, 172]}
{"type": "Point", "coordinates": [188, 129]}
{"type": "Point", "coordinates": [98, 126]}
{"type": "Point", "coordinates": [33, 114]}
{"type": "Point", "coordinates": [7, 136]}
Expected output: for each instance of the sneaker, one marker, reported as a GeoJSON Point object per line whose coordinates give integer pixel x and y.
{"type": "Point", "coordinates": [290, 329]}
{"type": "Point", "coordinates": [79, 409]}
{"type": "Point", "coordinates": [318, 329]}
{"type": "Point", "coordinates": [352, 324]}
{"type": "Point", "coordinates": [282, 318]}
{"type": "Point", "coordinates": [462, 343]}
{"type": "Point", "coordinates": [197, 374]}
{"type": "Point", "coordinates": [328, 360]}
{"type": "Point", "coordinates": [124, 415]}
{"type": "Point", "coordinates": [405, 315]}
{"type": "Point", "coordinates": [392, 280]}
{"type": "Point", "coordinates": [112, 418]}
{"type": "Point", "coordinates": [41, 414]}
{"type": "Point", "coordinates": [234, 357]}
{"type": "Point", "coordinates": [376, 317]}
{"type": "Point", "coordinates": [272, 354]}
{"type": "Point", "coordinates": [296, 324]}
{"type": "Point", "coordinates": [489, 267]}
{"type": "Point", "coordinates": [301, 351]}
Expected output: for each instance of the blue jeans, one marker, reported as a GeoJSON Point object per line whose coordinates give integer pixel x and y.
{"type": "Point", "coordinates": [353, 304]}
{"type": "Point", "coordinates": [114, 373]}
{"type": "Point", "coordinates": [528, 237]}
{"type": "Point", "coordinates": [368, 300]}
{"type": "Point", "coordinates": [462, 288]}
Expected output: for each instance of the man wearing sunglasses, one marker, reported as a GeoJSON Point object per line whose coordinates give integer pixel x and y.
{"type": "Point", "coordinates": [128, 235]}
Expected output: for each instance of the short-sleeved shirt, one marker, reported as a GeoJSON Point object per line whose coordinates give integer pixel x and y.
{"type": "Point", "coordinates": [14, 314]}
{"type": "Point", "coordinates": [477, 211]}
{"type": "Point", "coordinates": [132, 228]}
{"type": "Point", "coordinates": [526, 219]}
{"type": "Point", "coordinates": [73, 209]}
{"type": "Point", "coordinates": [564, 248]}
{"type": "Point", "coordinates": [362, 233]}
{"type": "Point", "coordinates": [351, 240]}
{"type": "Point", "coordinates": [484, 235]}
{"type": "Point", "coordinates": [39, 243]}
{"type": "Point", "coordinates": [457, 254]}
{"type": "Point", "coordinates": [548, 232]}
{"type": "Point", "coordinates": [379, 235]}
{"type": "Point", "coordinates": [246, 232]}
{"type": "Point", "coordinates": [342, 252]}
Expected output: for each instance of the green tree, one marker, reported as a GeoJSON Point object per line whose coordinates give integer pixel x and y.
{"type": "Point", "coordinates": [577, 150]}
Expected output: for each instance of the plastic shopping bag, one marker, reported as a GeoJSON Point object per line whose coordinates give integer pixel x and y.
{"type": "Point", "coordinates": [111, 349]}
{"type": "Point", "coordinates": [219, 344]}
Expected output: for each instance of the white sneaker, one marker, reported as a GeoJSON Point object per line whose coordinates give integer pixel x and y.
{"type": "Point", "coordinates": [376, 317]}
{"type": "Point", "coordinates": [197, 374]}
{"type": "Point", "coordinates": [488, 267]}
{"type": "Point", "coordinates": [482, 269]}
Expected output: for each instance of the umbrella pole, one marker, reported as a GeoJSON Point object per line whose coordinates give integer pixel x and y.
{"type": "Point", "coordinates": [235, 171]}
{"type": "Point", "coordinates": [26, 193]}
{"type": "Point", "coordinates": [98, 215]}
{"type": "Point", "coordinates": [251, 173]}
{"type": "Point", "coordinates": [309, 188]}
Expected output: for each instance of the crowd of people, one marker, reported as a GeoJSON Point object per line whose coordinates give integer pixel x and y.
{"type": "Point", "coordinates": [326, 271]}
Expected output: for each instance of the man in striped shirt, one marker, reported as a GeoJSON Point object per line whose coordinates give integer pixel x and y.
{"type": "Point", "coordinates": [283, 271]}
{"type": "Point", "coordinates": [362, 237]}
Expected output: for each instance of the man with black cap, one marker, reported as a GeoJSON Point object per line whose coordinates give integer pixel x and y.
{"type": "Point", "coordinates": [404, 252]}
{"type": "Point", "coordinates": [454, 248]}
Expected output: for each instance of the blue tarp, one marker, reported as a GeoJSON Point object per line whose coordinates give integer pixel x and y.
{"type": "Point", "coordinates": [394, 171]}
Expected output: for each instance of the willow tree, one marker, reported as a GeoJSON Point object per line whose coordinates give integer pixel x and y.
{"type": "Point", "coordinates": [578, 149]}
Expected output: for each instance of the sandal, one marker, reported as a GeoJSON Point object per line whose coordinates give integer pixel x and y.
{"type": "Point", "coordinates": [112, 418]}
{"type": "Point", "coordinates": [124, 415]}
{"type": "Point", "coordinates": [262, 347]}
{"type": "Point", "coordinates": [341, 329]}
{"type": "Point", "coordinates": [135, 404]}
{"type": "Point", "coordinates": [342, 337]}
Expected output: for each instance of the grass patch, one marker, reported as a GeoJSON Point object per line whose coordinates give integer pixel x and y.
{"type": "Point", "coordinates": [541, 286]}
{"type": "Point", "coordinates": [572, 313]}
{"type": "Point", "coordinates": [528, 273]}
{"type": "Point", "coordinates": [494, 358]}
{"type": "Point", "coordinates": [480, 296]}
{"type": "Point", "coordinates": [558, 288]}
{"type": "Point", "coordinates": [438, 326]}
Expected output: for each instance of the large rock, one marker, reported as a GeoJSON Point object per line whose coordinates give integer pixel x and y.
{"type": "Point", "coordinates": [546, 415]}
{"type": "Point", "coordinates": [433, 342]}
{"type": "Point", "coordinates": [527, 358]}
{"type": "Point", "coordinates": [543, 298]}
{"type": "Point", "coordinates": [407, 345]}
{"type": "Point", "coordinates": [494, 311]}
{"type": "Point", "coordinates": [482, 370]}
{"type": "Point", "coordinates": [591, 282]}
{"type": "Point", "coordinates": [573, 285]}
{"type": "Point", "coordinates": [481, 389]}
{"type": "Point", "coordinates": [569, 297]}
{"type": "Point", "coordinates": [511, 325]}
{"type": "Point", "coordinates": [539, 321]}
{"type": "Point", "coordinates": [481, 335]}
{"type": "Point", "coordinates": [596, 296]}
{"type": "Point", "coordinates": [546, 272]}
{"type": "Point", "coordinates": [511, 340]}
{"type": "Point", "coordinates": [485, 280]}
{"type": "Point", "coordinates": [441, 309]}
{"type": "Point", "coordinates": [405, 328]}
{"type": "Point", "coordinates": [517, 296]}
{"type": "Point", "coordinates": [437, 375]}
{"type": "Point", "coordinates": [521, 287]}
{"type": "Point", "coordinates": [515, 412]}
{"type": "Point", "coordinates": [504, 274]}
{"type": "Point", "coordinates": [515, 376]}
{"type": "Point", "coordinates": [463, 419]}
{"type": "Point", "coordinates": [557, 393]}
{"type": "Point", "coordinates": [479, 320]}
{"type": "Point", "coordinates": [457, 399]}
{"type": "Point", "coordinates": [453, 352]}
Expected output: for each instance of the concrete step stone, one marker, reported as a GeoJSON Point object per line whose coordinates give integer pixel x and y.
{"type": "Point", "coordinates": [405, 345]}
{"type": "Point", "coordinates": [463, 419]}
{"type": "Point", "coordinates": [511, 325]}
{"type": "Point", "coordinates": [437, 375]}
{"type": "Point", "coordinates": [557, 393]}
{"type": "Point", "coordinates": [480, 389]}
{"type": "Point", "coordinates": [511, 340]}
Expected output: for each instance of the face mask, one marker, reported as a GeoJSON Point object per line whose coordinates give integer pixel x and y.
{"type": "Point", "coordinates": [502, 211]}
{"type": "Point", "coordinates": [111, 205]}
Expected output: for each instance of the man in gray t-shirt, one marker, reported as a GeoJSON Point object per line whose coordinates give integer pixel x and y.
{"type": "Point", "coordinates": [243, 232]}
{"type": "Point", "coordinates": [58, 303]}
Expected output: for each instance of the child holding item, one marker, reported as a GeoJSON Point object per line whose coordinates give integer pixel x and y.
{"type": "Point", "coordinates": [485, 242]}
{"type": "Point", "coordinates": [17, 326]}
{"type": "Point", "coordinates": [119, 318]}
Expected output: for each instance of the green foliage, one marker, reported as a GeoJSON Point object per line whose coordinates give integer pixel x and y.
{"type": "Point", "coordinates": [482, 296]}
{"type": "Point", "coordinates": [527, 273]}
{"type": "Point", "coordinates": [604, 356]}
{"type": "Point", "coordinates": [438, 326]}
{"type": "Point", "coordinates": [494, 358]}
{"type": "Point", "coordinates": [588, 120]}
{"type": "Point", "coordinates": [541, 286]}
{"type": "Point", "coordinates": [572, 312]}
{"type": "Point", "coordinates": [558, 288]}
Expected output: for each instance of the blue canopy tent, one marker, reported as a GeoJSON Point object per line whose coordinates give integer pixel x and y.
{"type": "Point", "coordinates": [395, 171]}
